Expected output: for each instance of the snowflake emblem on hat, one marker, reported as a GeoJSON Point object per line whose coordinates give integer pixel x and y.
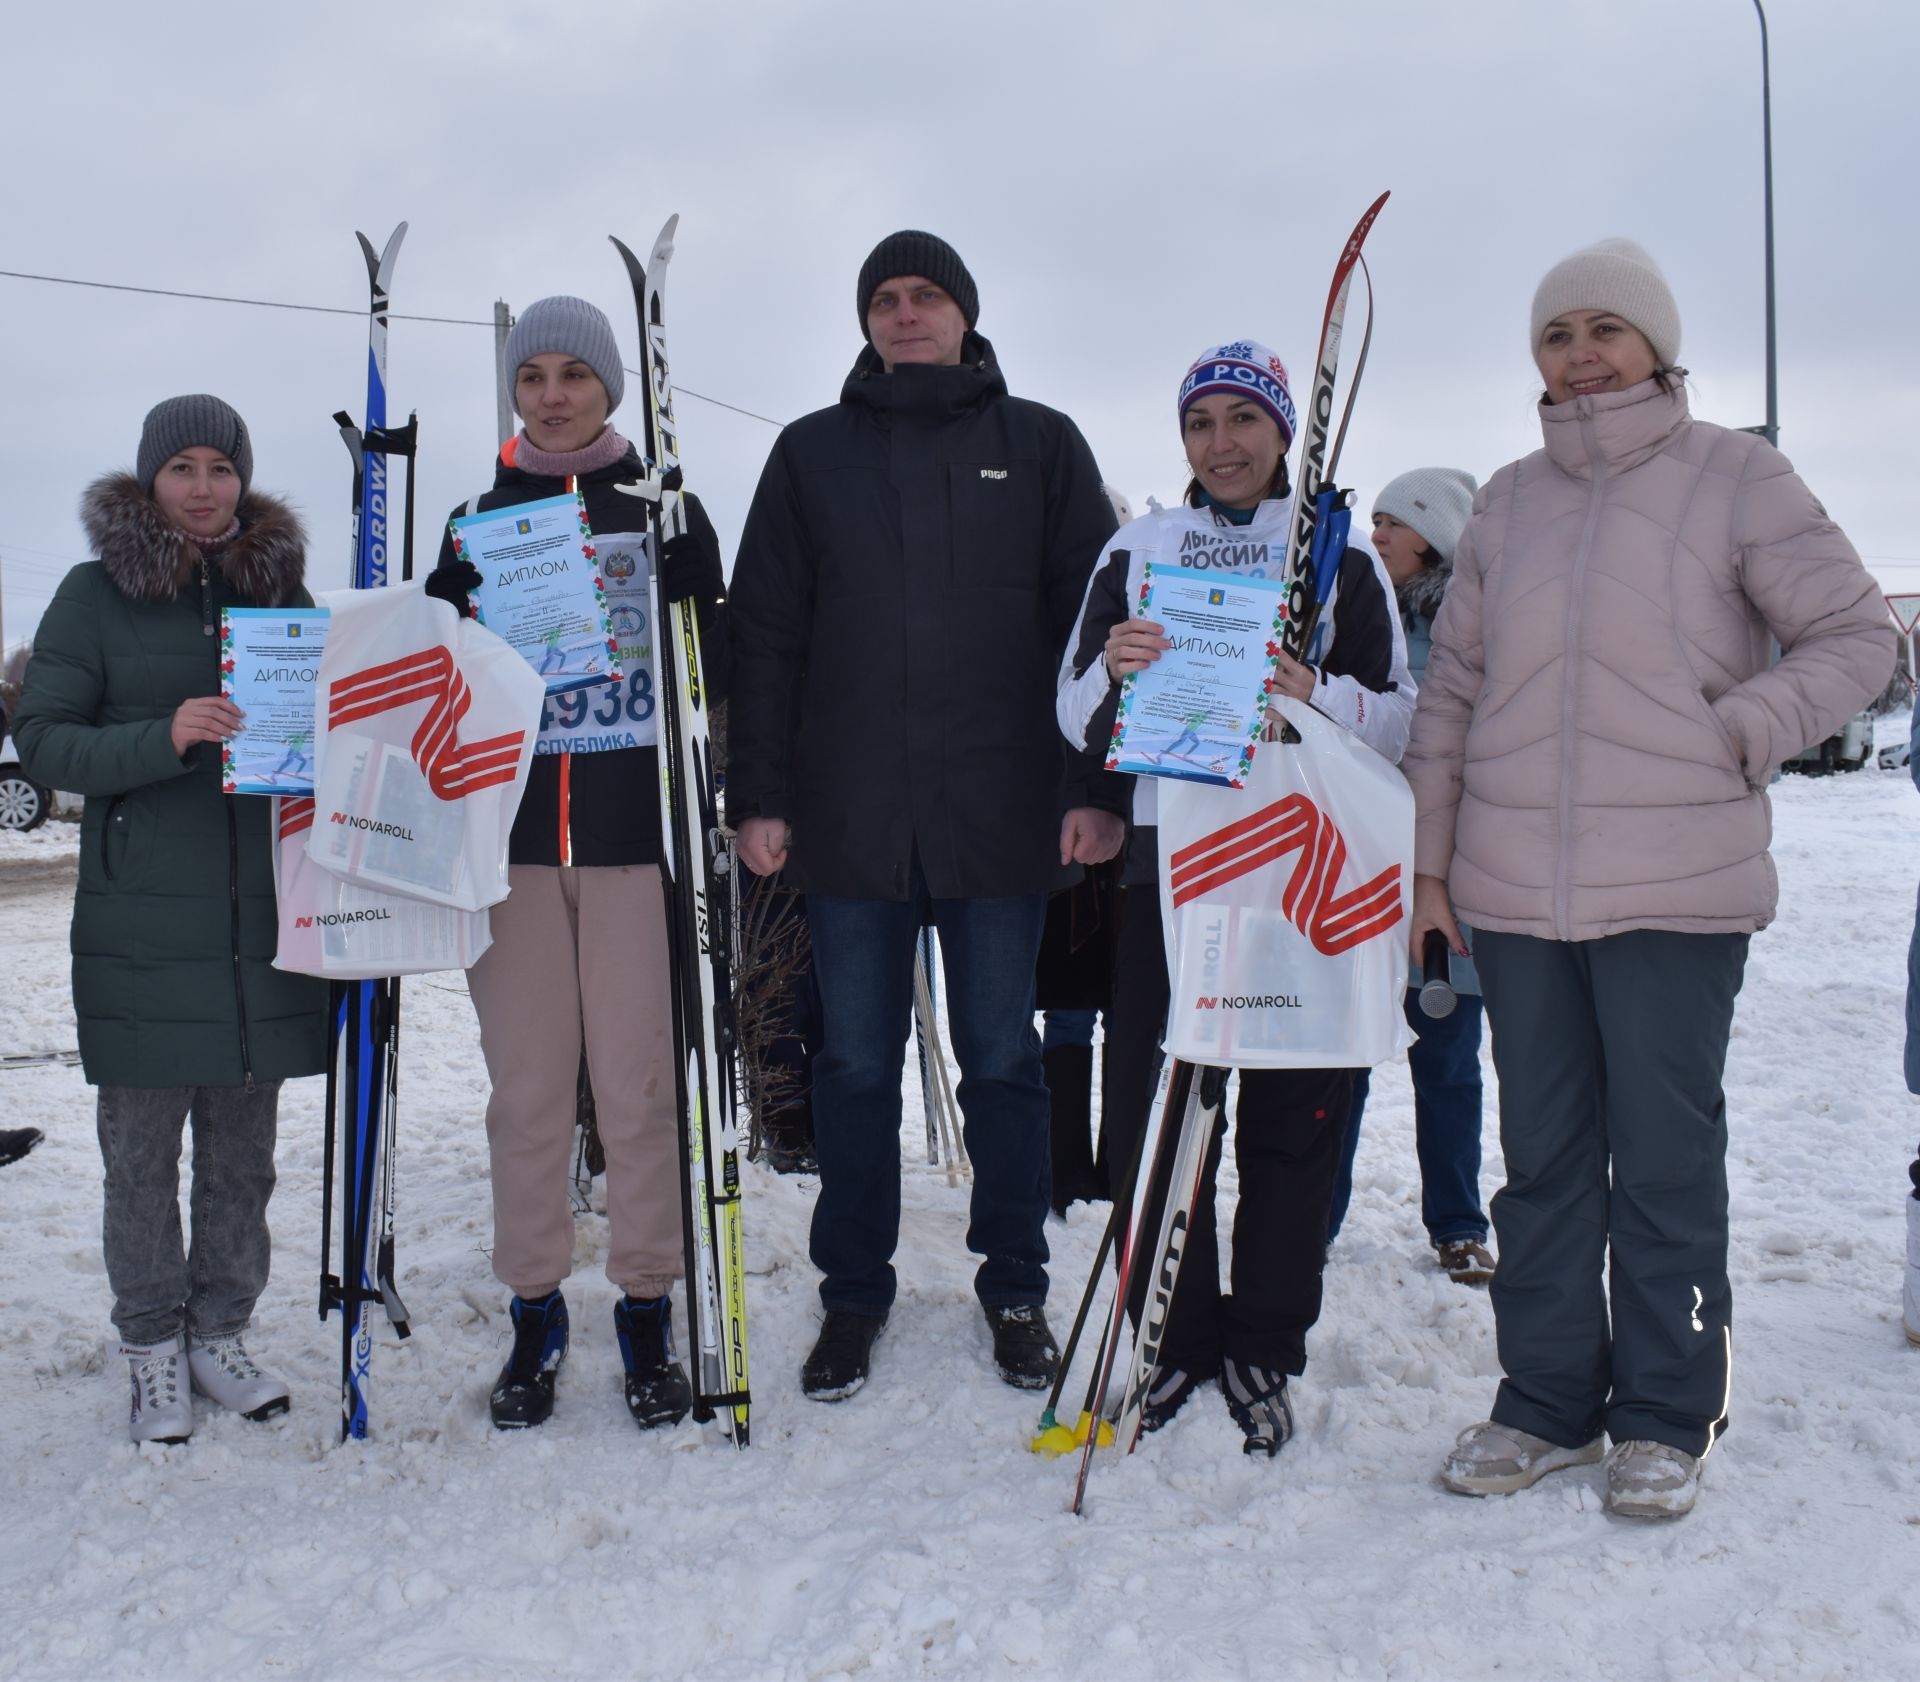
{"type": "Point", "coordinates": [1279, 369]}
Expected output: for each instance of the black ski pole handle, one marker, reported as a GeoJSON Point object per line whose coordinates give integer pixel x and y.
{"type": "Point", "coordinates": [1437, 997]}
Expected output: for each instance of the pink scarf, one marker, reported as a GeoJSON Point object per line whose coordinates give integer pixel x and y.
{"type": "Point", "coordinates": [604, 451]}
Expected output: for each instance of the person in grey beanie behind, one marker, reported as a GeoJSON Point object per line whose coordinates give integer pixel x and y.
{"type": "Point", "coordinates": [182, 1017]}
{"type": "Point", "coordinates": [579, 953]}
{"type": "Point", "coordinates": [1417, 522]}
{"type": "Point", "coordinates": [1589, 761]}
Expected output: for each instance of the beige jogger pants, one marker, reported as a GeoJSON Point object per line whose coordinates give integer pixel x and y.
{"type": "Point", "coordinates": [580, 950]}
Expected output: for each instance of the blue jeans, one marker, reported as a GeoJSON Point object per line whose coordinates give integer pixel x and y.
{"type": "Point", "coordinates": [863, 966]}
{"type": "Point", "coordinates": [1445, 1063]}
{"type": "Point", "coordinates": [1067, 1027]}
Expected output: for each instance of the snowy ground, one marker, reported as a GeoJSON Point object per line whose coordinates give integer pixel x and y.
{"type": "Point", "coordinates": [909, 1533]}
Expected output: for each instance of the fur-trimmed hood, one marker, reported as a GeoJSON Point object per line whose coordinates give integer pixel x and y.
{"type": "Point", "coordinates": [1420, 595]}
{"type": "Point", "coordinates": [148, 560]}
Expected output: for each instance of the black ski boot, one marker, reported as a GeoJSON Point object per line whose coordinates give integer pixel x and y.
{"type": "Point", "coordinates": [1257, 1399]}
{"type": "Point", "coordinates": [15, 1142]}
{"type": "Point", "coordinates": [841, 1355]}
{"type": "Point", "coordinates": [1023, 1346]}
{"type": "Point", "coordinates": [657, 1389]}
{"type": "Point", "coordinates": [1170, 1391]}
{"type": "Point", "coordinates": [523, 1393]}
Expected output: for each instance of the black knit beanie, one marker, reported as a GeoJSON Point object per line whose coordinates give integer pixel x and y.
{"type": "Point", "coordinates": [912, 252]}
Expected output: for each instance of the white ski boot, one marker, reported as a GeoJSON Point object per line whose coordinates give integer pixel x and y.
{"type": "Point", "coordinates": [1910, 1293]}
{"type": "Point", "coordinates": [224, 1372]}
{"type": "Point", "coordinates": [162, 1408]}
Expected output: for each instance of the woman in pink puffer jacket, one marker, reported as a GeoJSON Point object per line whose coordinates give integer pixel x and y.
{"type": "Point", "coordinates": [1590, 755]}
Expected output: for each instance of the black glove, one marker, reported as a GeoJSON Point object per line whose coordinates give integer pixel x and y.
{"type": "Point", "coordinates": [452, 583]}
{"type": "Point", "coordinates": [686, 569]}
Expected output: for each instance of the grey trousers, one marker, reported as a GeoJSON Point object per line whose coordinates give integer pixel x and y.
{"type": "Point", "coordinates": [1611, 1306]}
{"type": "Point", "coordinates": [160, 1289]}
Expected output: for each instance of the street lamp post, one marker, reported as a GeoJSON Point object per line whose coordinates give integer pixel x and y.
{"type": "Point", "coordinates": [1771, 431]}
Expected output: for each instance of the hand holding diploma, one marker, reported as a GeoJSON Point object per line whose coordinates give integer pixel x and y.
{"type": "Point", "coordinates": [205, 718]}
{"type": "Point", "coordinates": [1133, 645]}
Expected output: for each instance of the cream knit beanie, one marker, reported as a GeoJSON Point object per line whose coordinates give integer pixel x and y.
{"type": "Point", "coordinates": [1614, 275]}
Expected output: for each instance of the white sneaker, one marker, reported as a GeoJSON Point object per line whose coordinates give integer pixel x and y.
{"type": "Point", "coordinates": [224, 1371]}
{"type": "Point", "coordinates": [1651, 1480]}
{"type": "Point", "coordinates": [1910, 1293]}
{"type": "Point", "coordinates": [162, 1408]}
{"type": "Point", "coordinates": [1490, 1459]}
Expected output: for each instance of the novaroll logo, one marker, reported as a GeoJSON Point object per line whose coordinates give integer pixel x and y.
{"type": "Point", "coordinates": [454, 768]}
{"type": "Point", "coordinates": [1335, 922]}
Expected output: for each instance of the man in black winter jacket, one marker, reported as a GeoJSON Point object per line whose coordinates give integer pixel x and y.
{"type": "Point", "coordinates": [909, 573]}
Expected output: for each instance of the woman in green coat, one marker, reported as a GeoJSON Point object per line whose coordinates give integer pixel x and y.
{"type": "Point", "coordinates": [181, 1014]}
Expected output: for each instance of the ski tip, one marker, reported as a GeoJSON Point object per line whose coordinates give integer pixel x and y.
{"type": "Point", "coordinates": [663, 246]}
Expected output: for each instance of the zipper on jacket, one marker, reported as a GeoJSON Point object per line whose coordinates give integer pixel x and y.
{"type": "Point", "coordinates": [106, 826]}
{"type": "Point", "coordinates": [233, 900]}
{"type": "Point", "coordinates": [206, 599]}
{"type": "Point", "coordinates": [1576, 584]}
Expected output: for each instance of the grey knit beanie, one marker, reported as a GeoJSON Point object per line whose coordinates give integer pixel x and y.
{"type": "Point", "coordinates": [182, 422]}
{"type": "Point", "coordinates": [1434, 501]}
{"type": "Point", "coordinates": [573, 327]}
{"type": "Point", "coordinates": [913, 252]}
{"type": "Point", "coordinates": [1614, 275]}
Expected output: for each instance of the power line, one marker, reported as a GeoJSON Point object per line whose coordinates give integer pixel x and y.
{"type": "Point", "coordinates": [685, 391]}
{"type": "Point", "coordinates": [219, 298]}
{"type": "Point", "coordinates": [330, 309]}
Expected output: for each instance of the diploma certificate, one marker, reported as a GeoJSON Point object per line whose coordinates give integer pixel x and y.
{"type": "Point", "coordinates": [269, 668]}
{"type": "Point", "coordinates": [1197, 712]}
{"type": "Point", "coordinates": [540, 588]}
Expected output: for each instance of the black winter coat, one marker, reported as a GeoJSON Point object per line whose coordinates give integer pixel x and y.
{"type": "Point", "coordinates": [602, 808]}
{"type": "Point", "coordinates": [909, 573]}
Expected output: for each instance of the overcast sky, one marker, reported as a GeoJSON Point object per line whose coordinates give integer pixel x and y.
{"type": "Point", "coordinates": [1128, 180]}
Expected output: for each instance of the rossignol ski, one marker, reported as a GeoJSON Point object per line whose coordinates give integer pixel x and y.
{"type": "Point", "coordinates": [363, 1072]}
{"type": "Point", "coordinates": [696, 856]}
{"type": "Point", "coordinates": [1313, 557]}
{"type": "Point", "coordinates": [1315, 545]}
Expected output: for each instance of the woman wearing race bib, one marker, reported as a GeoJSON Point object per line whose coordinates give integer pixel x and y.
{"type": "Point", "coordinates": [1596, 730]}
{"type": "Point", "coordinates": [579, 954]}
{"type": "Point", "coordinates": [181, 1014]}
{"type": "Point", "coordinates": [1236, 420]}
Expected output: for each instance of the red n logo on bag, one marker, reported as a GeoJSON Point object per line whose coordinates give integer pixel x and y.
{"type": "Point", "coordinates": [1335, 922]}
{"type": "Point", "coordinates": [454, 768]}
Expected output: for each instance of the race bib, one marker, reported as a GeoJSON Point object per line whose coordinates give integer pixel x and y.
{"type": "Point", "coordinates": [620, 714]}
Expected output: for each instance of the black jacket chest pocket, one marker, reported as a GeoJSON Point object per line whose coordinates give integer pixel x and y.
{"type": "Point", "coordinates": [999, 525]}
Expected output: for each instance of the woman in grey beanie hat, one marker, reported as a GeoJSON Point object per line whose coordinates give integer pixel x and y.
{"type": "Point", "coordinates": [1589, 758]}
{"type": "Point", "coordinates": [183, 1020]}
{"type": "Point", "coordinates": [1417, 522]}
{"type": "Point", "coordinates": [579, 958]}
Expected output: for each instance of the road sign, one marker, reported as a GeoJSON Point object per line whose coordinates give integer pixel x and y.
{"type": "Point", "coordinates": [1905, 611]}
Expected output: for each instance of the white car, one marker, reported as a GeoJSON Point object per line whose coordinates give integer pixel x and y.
{"type": "Point", "coordinates": [24, 804]}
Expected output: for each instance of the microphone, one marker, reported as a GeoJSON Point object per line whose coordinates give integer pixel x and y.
{"type": "Point", "coordinates": [1437, 997]}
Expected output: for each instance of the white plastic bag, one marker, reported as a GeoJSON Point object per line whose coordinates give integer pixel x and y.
{"type": "Point", "coordinates": [424, 728]}
{"type": "Point", "coordinates": [332, 928]}
{"type": "Point", "coordinates": [1285, 905]}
